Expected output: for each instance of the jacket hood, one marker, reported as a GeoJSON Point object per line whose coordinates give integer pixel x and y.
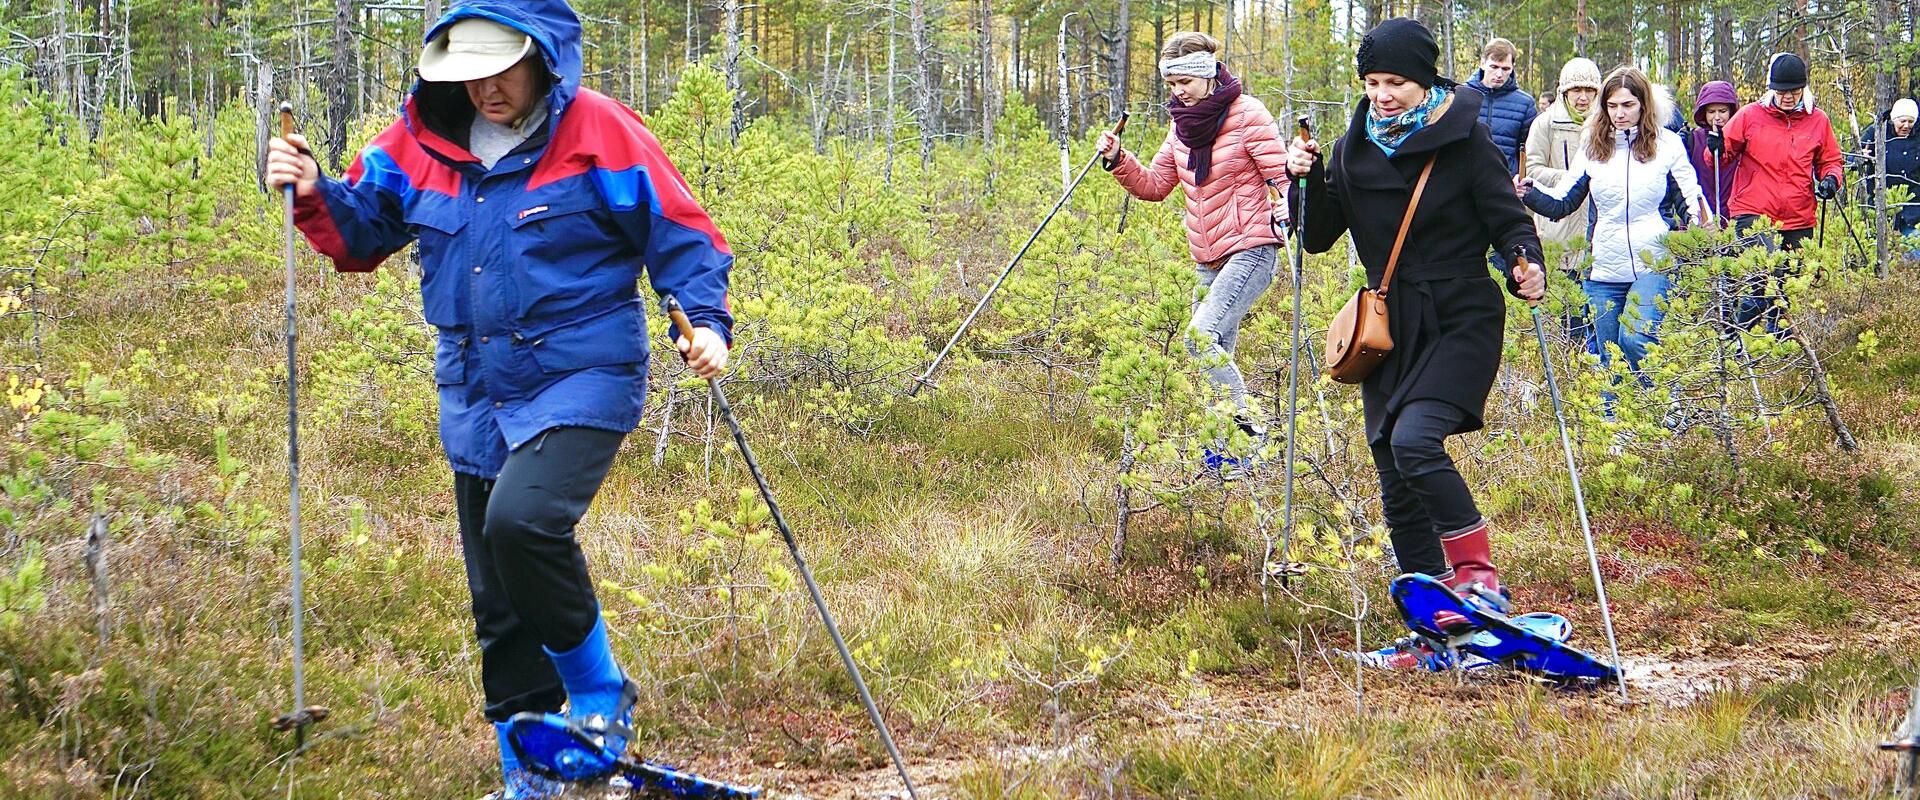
{"type": "Point", "coordinates": [555, 30]}
{"type": "Point", "coordinates": [1663, 110]}
{"type": "Point", "coordinates": [1806, 97]}
{"type": "Point", "coordinates": [1711, 93]}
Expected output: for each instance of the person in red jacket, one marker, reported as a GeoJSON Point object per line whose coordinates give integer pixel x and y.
{"type": "Point", "coordinates": [1789, 161]}
{"type": "Point", "coordinates": [1789, 158]}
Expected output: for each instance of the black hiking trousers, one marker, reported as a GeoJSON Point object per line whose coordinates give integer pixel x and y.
{"type": "Point", "coordinates": [1421, 493]}
{"type": "Point", "coordinates": [525, 569]}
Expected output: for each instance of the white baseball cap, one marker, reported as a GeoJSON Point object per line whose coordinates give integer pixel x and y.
{"type": "Point", "coordinates": [471, 49]}
{"type": "Point", "coordinates": [1905, 109]}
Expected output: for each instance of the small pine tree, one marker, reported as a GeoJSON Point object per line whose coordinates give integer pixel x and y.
{"type": "Point", "coordinates": [161, 213]}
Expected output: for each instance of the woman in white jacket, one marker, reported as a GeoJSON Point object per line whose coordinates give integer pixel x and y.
{"type": "Point", "coordinates": [1624, 169]}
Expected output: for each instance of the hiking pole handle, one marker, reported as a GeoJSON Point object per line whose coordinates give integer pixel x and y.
{"type": "Point", "coordinates": [681, 324]}
{"type": "Point", "coordinates": [1520, 260]}
{"type": "Point", "coordinates": [286, 119]}
{"type": "Point", "coordinates": [1120, 125]}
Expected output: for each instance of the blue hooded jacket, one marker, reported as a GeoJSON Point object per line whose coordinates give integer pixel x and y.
{"type": "Point", "coordinates": [1508, 114]}
{"type": "Point", "coordinates": [531, 268]}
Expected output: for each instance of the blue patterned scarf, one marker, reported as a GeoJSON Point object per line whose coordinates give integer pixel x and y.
{"type": "Point", "coordinates": [1393, 131]}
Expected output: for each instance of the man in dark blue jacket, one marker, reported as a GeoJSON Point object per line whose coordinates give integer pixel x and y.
{"type": "Point", "coordinates": [1507, 111]}
{"type": "Point", "coordinates": [537, 205]}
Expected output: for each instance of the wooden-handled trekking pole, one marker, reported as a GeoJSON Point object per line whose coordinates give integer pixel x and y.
{"type": "Point", "coordinates": [685, 328]}
{"type": "Point", "coordinates": [302, 714]}
{"type": "Point", "coordinates": [1573, 470]}
{"type": "Point", "coordinates": [926, 378]}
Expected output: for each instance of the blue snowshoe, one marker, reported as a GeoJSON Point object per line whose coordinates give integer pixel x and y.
{"type": "Point", "coordinates": [552, 747]}
{"type": "Point", "coordinates": [1416, 652]}
{"type": "Point", "coordinates": [1491, 635]}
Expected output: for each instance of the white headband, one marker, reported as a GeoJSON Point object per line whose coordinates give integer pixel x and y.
{"type": "Point", "coordinates": [1199, 64]}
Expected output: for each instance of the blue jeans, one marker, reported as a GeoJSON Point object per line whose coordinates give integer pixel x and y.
{"type": "Point", "coordinates": [1225, 296]}
{"type": "Point", "coordinates": [1626, 315]}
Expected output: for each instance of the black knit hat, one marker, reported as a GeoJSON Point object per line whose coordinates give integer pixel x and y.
{"type": "Point", "coordinates": [1786, 72]}
{"type": "Point", "coordinates": [1400, 46]}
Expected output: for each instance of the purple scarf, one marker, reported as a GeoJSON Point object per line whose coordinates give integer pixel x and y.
{"type": "Point", "coordinates": [1198, 124]}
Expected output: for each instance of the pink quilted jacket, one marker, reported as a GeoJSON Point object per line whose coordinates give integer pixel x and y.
{"type": "Point", "coordinates": [1233, 211]}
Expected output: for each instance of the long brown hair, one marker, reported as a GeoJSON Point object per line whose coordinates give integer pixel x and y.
{"type": "Point", "coordinates": [1600, 130]}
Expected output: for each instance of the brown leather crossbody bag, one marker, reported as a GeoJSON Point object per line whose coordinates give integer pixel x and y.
{"type": "Point", "coordinates": [1358, 339]}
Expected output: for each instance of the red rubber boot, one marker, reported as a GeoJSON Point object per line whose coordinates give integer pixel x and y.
{"type": "Point", "coordinates": [1472, 559]}
{"type": "Point", "coordinates": [1474, 575]}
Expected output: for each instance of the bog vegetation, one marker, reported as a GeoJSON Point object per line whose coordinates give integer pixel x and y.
{"type": "Point", "coordinates": [1048, 599]}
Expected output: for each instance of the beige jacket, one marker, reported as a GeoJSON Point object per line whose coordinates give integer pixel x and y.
{"type": "Point", "coordinates": [1553, 144]}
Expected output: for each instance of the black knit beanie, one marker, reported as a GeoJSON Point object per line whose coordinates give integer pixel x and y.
{"type": "Point", "coordinates": [1786, 72]}
{"type": "Point", "coordinates": [1400, 46]}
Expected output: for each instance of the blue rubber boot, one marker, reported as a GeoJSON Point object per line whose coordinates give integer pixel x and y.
{"type": "Point", "coordinates": [587, 742]}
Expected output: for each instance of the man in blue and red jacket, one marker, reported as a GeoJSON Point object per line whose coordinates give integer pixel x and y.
{"type": "Point", "coordinates": [536, 205]}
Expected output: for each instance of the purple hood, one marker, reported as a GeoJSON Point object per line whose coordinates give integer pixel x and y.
{"type": "Point", "coordinates": [1713, 92]}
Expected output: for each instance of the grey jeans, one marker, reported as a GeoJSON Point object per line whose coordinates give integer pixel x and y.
{"type": "Point", "coordinates": [1222, 300]}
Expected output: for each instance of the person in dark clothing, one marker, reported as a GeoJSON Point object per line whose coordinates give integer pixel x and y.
{"type": "Point", "coordinates": [1505, 109]}
{"type": "Point", "coordinates": [1673, 208]}
{"type": "Point", "coordinates": [1445, 312]}
{"type": "Point", "coordinates": [1902, 161]}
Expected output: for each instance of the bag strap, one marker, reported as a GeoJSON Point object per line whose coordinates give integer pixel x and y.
{"type": "Point", "coordinates": [1393, 260]}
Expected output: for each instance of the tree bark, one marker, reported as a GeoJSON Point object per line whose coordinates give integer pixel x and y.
{"type": "Point", "coordinates": [987, 108]}
{"type": "Point", "coordinates": [893, 41]}
{"type": "Point", "coordinates": [738, 122]}
{"type": "Point", "coordinates": [1066, 108]}
{"type": "Point", "coordinates": [926, 111]}
{"type": "Point", "coordinates": [340, 97]}
{"type": "Point", "coordinates": [1123, 58]}
{"type": "Point", "coordinates": [1722, 42]}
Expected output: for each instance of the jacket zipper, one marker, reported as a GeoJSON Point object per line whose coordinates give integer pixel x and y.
{"type": "Point", "coordinates": [1626, 212]}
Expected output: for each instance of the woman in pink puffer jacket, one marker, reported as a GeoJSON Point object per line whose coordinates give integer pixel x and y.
{"type": "Point", "coordinates": [1225, 151]}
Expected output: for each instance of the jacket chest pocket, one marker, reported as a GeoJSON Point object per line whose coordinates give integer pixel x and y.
{"type": "Point", "coordinates": [563, 231]}
{"type": "Point", "coordinates": [566, 249]}
{"type": "Point", "coordinates": [435, 221]}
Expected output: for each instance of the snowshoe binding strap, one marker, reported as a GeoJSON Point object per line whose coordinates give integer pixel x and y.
{"type": "Point", "coordinates": [552, 746]}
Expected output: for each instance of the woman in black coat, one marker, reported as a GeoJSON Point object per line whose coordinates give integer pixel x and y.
{"type": "Point", "coordinates": [1445, 311]}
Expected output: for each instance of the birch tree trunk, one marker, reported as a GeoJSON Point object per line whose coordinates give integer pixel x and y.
{"type": "Point", "coordinates": [731, 8]}
{"type": "Point", "coordinates": [1066, 108]}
